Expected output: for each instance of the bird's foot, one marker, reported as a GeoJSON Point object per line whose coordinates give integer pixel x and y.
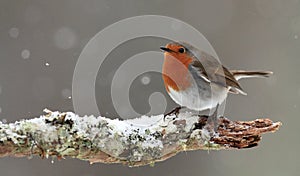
{"type": "Point", "coordinates": [174, 111]}
{"type": "Point", "coordinates": [212, 123]}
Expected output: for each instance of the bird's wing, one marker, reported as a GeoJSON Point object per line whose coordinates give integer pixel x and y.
{"type": "Point", "coordinates": [211, 70]}
{"type": "Point", "coordinates": [197, 68]}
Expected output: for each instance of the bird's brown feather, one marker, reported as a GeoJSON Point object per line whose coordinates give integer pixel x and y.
{"type": "Point", "coordinates": [218, 74]}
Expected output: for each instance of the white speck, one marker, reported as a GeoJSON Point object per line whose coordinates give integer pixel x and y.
{"type": "Point", "coordinates": [25, 54]}
{"type": "Point", "coordinates": [296, 37]}
{"type": "Point", "coordinates": [47, 64]}
{"type": "Point", "coordinates": [66, 93]}
{"type": "Point", "coordinates": [13, 32]}
{"type": "Point", "coordinates": [65, 38]}
{"type": "Point", "coordinates": [52, 161]}
{"type": "Point", "coordinates": [145, 80]}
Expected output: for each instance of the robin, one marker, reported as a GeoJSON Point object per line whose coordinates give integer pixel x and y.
{"type": "Point", "coordinates": [198, 81]}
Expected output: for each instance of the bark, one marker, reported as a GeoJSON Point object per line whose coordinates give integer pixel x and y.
{"type": "Point", "coordinates": [136, 142]}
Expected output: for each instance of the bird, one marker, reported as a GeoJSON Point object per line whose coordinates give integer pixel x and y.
{"type": "Point", "coordinates": [196, 80]}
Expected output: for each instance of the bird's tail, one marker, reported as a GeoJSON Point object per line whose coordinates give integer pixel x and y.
{"type": "Point", "coordinates": [239, 74]}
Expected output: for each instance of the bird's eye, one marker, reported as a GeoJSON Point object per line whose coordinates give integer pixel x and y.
{"type": "Point", "coordinates": [181, 50]}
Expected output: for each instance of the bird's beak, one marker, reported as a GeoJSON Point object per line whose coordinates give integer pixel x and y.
{"type": "Point", "coordinates": [166, 49]}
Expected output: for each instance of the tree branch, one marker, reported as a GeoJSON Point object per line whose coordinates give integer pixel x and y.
{"type": "Point", "coordinates": [135, 142]}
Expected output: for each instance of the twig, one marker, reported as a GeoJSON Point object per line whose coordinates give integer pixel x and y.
{"type": "Point", "coordinates": [136, 142]}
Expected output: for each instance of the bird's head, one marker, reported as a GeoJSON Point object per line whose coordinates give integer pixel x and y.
{"type": "Point", "coordinates": [177, 50]}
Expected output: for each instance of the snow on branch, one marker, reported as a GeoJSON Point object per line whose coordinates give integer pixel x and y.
{"type": "Point", "coordinates": [135, 142]}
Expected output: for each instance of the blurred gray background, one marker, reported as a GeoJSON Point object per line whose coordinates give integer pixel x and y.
{"type": "Point", "coordinates": [40, 42]}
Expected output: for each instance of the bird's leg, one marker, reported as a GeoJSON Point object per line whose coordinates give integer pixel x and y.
{"type": "Point", "coordinates": [174, 111]}
{"type": "Point", "coordinates": [212, 123]}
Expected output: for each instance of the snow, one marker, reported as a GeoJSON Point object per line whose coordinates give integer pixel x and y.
{"type": "Point", "coordinates": [66, 93]}
{"type": "Point", "coordinates": [13, 32]}
{"type": "Point", "coordinates": [113, 137]}
{"type": "Point", "coordinates": [25, 54]}
{"type": "Point", "coordinates": [145, 80]}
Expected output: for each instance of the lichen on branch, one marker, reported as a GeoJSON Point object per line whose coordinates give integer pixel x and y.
{"type": "Point", "coordinates": [134, 142]}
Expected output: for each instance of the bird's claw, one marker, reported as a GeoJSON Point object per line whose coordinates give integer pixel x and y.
{"type": "Point", "coordinates": [212, 123]}
{"type": "Point", "coordinates": [174, 111]}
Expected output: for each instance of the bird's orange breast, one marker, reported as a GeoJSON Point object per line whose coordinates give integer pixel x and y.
{"type": "Point", "coordinates": [175, 72]}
